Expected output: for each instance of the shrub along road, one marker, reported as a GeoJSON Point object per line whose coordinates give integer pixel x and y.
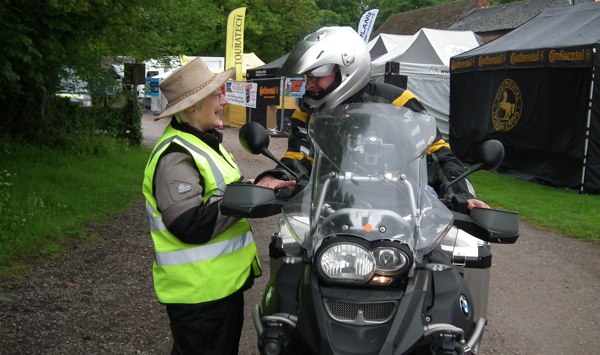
{"type": "Point", "coordinates": [543, 291]}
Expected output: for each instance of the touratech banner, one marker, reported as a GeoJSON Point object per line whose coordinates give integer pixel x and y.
{"type": "Point", "coordinates": [535, 89]}
{"type": "Point", "coordinates": [365, 25]}
{"type": "Point", "coordinates": [234, 45]}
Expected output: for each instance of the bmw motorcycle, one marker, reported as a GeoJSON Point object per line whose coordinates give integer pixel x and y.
{"type": "Point", "coordinates": [368, 259]}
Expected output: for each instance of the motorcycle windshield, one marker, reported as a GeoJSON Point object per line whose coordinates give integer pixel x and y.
{"type": "Point", "coordinates": [369, 179]}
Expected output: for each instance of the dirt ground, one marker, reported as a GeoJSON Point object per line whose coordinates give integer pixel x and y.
{"type": "Point", "coordinates": [99, 299]}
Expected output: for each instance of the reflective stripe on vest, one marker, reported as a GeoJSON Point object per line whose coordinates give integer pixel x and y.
{"type": "Point", "coordinates": [221, 185]}
{"type": "Point", "coordinates": [156, 223]}
{"type": "Point", "coordinates": [204, 252]}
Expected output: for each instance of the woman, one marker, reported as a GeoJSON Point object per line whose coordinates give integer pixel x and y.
{"type": "Point", "coordinates": [203, 260]}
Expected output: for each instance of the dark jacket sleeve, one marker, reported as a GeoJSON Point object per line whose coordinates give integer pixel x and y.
{"type": "Point", "coordinates": [179, 190]}
{"type": "Point", "coordinates": [298, 156]}
{"type": "Point", "coordinates": [451, 167]}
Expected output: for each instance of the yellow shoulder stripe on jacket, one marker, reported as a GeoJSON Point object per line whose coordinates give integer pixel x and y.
{"type": "Point", "coordinates": [404, 98]}
{"type": "Point", "coordinates": [297, 156]}
{"type": "Point", "coordinates": [300, 115]}
{"type": "Point", "coordinates": [437, 146]}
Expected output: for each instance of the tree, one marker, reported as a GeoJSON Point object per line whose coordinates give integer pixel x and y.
{"type": "Point", "coordinates": [339, 12]}
{"type": "Point", "coordinates": [273, 27]}
{"type": "Point", "coordinates": [42, 40]}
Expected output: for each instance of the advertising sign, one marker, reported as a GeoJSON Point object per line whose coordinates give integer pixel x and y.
{"type": "Point", "coordinates": [294, 87]}
{"type": "Point", "coordinates": [241, 93]}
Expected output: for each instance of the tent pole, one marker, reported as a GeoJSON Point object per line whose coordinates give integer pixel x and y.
{"type": "Point", "coordinates": [587, 127]}
{"type": "Point", "coordinates": [250, 108]}
{"type": "Point", "coordinates": [282, 95]}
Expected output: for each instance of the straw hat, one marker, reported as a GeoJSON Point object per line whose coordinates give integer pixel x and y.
{"type": "Point", "coordinates": [189, 84]}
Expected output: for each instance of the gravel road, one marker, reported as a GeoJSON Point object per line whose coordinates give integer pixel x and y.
{"type": "Point", "coordinates": [98, 298]}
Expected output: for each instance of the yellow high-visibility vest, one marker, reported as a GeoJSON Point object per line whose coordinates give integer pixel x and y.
{"type": "Point", "coordinates": [196, 273]}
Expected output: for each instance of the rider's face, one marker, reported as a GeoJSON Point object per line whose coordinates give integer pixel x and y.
{"type": "Point", "coordinates": [316, 85]}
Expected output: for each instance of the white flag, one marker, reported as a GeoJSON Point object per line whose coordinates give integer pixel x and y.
{"type": "Point", "coordinates": [365, 25]}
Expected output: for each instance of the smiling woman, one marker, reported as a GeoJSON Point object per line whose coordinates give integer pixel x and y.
{"type": "Point", "coordinates": [206, 114]}
{"type": "Point", "coordinates": [203, 261]}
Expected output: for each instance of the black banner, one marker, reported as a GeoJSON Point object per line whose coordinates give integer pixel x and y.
{"type": "Point", "coordinates": [539, 114]}
{"type": "Point", "coordinates": [532, 58]}
{"type": "Point", "coordinates": [268, 92]}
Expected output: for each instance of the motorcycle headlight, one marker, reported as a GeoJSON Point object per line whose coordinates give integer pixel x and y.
{"type": "Point", "coordinates": [346, 262]}
{"type": "Point", "coordinates": [352, 260]}
{"type": "Point", "coordinates": [390, 260]}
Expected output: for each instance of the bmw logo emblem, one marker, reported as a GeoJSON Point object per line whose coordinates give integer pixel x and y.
{"type": "Point", "coordinates": [464, 305]}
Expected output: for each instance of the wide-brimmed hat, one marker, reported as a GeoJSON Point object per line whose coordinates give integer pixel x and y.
{"type": "Point", "coordinates": [189, 84]}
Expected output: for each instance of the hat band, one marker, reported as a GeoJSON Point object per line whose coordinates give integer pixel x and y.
{"type": "Point", "coordinates": [191, 92]}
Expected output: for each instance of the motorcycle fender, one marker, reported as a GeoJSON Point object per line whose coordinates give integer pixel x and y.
{"type": "Point", "coordinates": [406, 330]}
{"type": "Point", "coordinates": [452, 301]}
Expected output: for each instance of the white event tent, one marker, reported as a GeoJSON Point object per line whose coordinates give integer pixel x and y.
{"type": "Point", "coordinates": [424, 60]}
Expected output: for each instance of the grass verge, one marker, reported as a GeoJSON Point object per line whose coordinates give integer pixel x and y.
{"type": "Point", "coordinates": [545, 207]}
{"type": "Point", "coordinates": [48, 196]}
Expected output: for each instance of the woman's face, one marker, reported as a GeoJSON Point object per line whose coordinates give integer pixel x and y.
{"type": "Point", "coordinates": [209, 115]}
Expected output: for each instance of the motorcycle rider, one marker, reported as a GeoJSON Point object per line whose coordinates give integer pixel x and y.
{"type": "Point", "coordinates": [336, 65]}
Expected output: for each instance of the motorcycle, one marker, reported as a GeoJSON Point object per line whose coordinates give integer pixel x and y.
{"type": "Point", "coordinates": [368, 260]}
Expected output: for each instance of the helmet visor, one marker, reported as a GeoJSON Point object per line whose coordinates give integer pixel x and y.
{"type": "Point", "coordinates": [321, 71]}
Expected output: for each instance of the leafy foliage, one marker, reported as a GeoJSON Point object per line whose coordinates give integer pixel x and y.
{"type": "Point", "coordinates": [42, 40]}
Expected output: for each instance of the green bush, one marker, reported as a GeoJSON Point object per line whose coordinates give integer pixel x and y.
{"type": "Point", "coordinates": [68, 125]}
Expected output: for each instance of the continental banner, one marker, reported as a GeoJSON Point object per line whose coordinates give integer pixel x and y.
{"type": "Point", "coordinates": [269, 92]}
{"type": "Point", "coordinates": [546, 57]}
{"type": "Point", "coordinates": [535, 89]}
{"type": "Point", "coordinates": [234, 45]}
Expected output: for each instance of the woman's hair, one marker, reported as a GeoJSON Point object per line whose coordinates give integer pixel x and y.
{"type": "Point", "coordinates": [181, 116]}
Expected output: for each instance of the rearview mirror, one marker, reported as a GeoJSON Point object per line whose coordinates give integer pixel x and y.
{"type": "Point", "coordinates": [491, 154]}
{"type": "Point", "coordinates": [254, 138]}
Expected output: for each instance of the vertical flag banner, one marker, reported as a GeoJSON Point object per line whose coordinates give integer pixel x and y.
{"type": "Point", "coordinates": [234, 46]}
{"type": "Point", "coordinates": [184, 59]}
{"type": "Point", "coordinates": [365, 25]}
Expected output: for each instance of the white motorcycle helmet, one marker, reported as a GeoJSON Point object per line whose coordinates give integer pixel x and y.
{"type": "Point", "coordinates": [324, 50]}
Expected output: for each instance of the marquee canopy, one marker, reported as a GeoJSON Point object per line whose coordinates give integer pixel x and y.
{"type": "Point", "coordinates": [535, 89]}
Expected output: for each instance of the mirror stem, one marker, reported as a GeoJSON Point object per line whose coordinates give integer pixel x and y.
{"type": "Point", "coordinates": [474, 168]}
{"type": "Point", "coordinates": [266, 152]}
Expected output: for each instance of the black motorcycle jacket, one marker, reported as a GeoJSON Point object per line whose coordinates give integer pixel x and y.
{"type": "Point", "coordinates": [443, 165]}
